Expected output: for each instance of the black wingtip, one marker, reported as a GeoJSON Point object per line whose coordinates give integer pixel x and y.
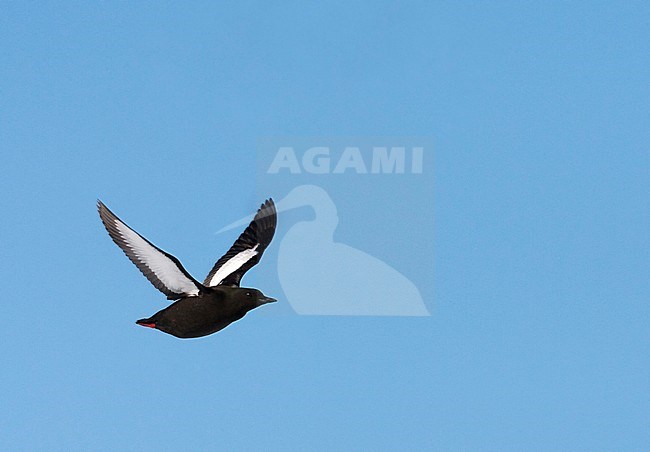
{"type": "Point", "coordinates": [267, 209]}
{"type": "Point", "coordinates": [105, 214]}
{"type": "Point", "coordinates": [101, 207]}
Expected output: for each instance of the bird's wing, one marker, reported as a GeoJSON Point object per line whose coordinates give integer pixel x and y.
{"type": "Point", "coordinates": [247, 249]}
{"type": "Point", "coordinates": [162, 270]}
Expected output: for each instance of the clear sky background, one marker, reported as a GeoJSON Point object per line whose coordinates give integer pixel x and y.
{"type": "Point", "coordinates": [539, 115]}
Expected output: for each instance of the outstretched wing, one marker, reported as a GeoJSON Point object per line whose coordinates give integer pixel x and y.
{"type": "Point", "coordinates": [247, 249]}
{"type": "Point", "coordinates": [162, 270]}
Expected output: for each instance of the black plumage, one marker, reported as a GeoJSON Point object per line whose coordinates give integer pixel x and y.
{"type": "Point", "coordinates": [200, 309]}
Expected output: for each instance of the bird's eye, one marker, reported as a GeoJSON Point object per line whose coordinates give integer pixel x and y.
{"type": "Point", "coordinates": [248, 294]}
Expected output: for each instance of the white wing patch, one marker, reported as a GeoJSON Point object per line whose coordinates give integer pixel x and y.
{"type": "Point", "coordinates": [163, 267]}
{"type": "Point", "coordinates": [233, 265]}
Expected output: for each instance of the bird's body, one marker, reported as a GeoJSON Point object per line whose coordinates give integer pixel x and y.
{"type": "Point", "coordinates": [199, 309]}
{"type": "Point", "coordinates": [204, 314]}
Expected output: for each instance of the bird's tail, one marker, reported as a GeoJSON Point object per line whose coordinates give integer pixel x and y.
{"type": "Point", "coordinates": [149, 323]}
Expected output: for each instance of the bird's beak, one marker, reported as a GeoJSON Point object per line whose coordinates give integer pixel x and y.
{"type": "Point", "coordinates": [265, 300]}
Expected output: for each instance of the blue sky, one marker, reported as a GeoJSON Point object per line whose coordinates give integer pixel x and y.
{"type": "Point", "coordinates": [538, 274]}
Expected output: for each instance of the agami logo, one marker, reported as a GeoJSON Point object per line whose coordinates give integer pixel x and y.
{"type": "Point", "coordinates": [324, 160]}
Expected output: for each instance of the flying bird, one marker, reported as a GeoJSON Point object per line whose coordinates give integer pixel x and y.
{"type": "Point", "coordinates": [199, 309]}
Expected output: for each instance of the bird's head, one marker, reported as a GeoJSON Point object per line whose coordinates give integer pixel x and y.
{"type": "Point", "coordinates": [254, 297]}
